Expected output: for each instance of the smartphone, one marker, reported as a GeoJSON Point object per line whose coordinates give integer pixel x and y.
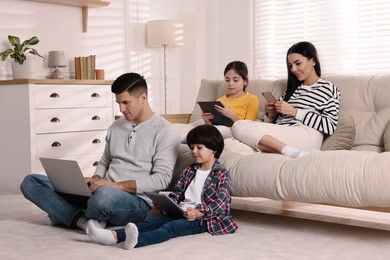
{"type": "Point", "coordinates": [268, 96]}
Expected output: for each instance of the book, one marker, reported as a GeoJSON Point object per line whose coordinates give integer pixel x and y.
{"type": "Point", "coordinates": [77, 67]}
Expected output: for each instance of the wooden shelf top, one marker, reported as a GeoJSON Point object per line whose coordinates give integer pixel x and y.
{"type": "Point", "coordinates": [56, 81]}
{"type": "Point", "coordinates": [77, 3]}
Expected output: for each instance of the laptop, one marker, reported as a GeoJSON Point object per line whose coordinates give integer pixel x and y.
{"type": "Point", "coordinates": [65, 176]}
{"type": "Point", "coordinates": [166, 204]}
{"type": "Point", "coordinates": [219, 119]}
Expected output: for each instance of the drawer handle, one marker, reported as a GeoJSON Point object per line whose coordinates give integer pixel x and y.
{"type": "Point", "coordinates": [95, 95]}
{"type": "Point", "coordinates": [96, 141]}
{"type": "Point", "coordinates": [54, 95]}
{"type": "Point", "coordinates": [56, 144]}
{"type": "Point", "coordinates": [96, 118]}
{"type": "Point", "coordinates": [55, 120]}
{"type": "Point", "coordinates": [95, 163]}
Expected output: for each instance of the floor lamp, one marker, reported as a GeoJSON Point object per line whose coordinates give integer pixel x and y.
{"type": "Point", "coordinates": [164, 33]}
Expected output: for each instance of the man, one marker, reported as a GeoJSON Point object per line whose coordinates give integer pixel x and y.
{"type": "Point", "coordinates": [140, 154]}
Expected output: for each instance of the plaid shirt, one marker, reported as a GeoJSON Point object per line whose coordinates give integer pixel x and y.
{"type": "Point", "coordinates": [215, 198]}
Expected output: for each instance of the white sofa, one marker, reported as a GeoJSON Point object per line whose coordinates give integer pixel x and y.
{"type": "Point", "coordinates": [358, 175]}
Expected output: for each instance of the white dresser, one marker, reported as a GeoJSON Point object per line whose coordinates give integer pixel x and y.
{"type": "Point", "coordinates": [64, 119]}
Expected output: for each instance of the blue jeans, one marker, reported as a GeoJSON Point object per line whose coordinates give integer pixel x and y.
{"type": "Point", "coordinates": [112, 205]}
{"type": "Point", "coordinates": [160, 228]}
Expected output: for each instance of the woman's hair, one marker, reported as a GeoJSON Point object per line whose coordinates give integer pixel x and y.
{"type": "Point", "coordinates": [308, 50]}
{"type": "Point", "coordinates": [240, 68]}
{"type": "Point", "coordinates": [134, 83]}
{"type": "Point", "coordinates": [207, 135]}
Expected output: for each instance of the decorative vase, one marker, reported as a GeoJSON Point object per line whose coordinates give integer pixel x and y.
{"type": "Point", "coordinates": [24, 71]}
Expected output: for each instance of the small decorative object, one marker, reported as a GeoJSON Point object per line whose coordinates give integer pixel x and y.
{"type": "Point", "coordinates": [99, 74]}
{"type": "Point", "coordinates": [56, 60]}
{"type": "Point", "coordinates": [21, 66]}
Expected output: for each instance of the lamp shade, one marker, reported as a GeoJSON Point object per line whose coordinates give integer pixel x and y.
{"type": "Point", "coordinates": [56, 59]}
{"type": "Point", "coordinates": [164, 32]}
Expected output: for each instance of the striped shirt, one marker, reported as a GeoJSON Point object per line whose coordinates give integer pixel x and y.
{"type": "Point", "coordinates": [318, 107]}
{"type": "Point", "coordinates": [215, 198]}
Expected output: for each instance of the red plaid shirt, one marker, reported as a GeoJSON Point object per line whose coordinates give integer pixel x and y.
{"type": "Point", "coordinates": [215, 198]}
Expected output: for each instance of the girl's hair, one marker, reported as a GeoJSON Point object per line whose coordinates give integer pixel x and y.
{"type": "Point", "coordinates": [308, 50]}
{"type": "Point", "coordinates": [240, 68]}
{"type": "Point", "coordinates": [207, 135]}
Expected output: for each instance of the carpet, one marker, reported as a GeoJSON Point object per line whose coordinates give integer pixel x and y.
{"type": "Point", "coordinates": [260, 236]}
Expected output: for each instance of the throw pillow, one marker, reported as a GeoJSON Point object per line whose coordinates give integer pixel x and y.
{"type": "Point", "coordinates": [386, 137]}
{"type": "Point", "coordinates": [343, 136]}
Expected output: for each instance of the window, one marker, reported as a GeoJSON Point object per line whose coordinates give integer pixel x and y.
{"type": "Point", "coordinates": [351, 36]}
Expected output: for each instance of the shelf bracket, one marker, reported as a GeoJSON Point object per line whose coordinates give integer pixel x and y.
{"type": "Point", "coordinates": [84, 11]}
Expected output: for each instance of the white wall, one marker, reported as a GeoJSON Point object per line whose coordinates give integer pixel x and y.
{"type": "Point", "coordinates": [215, 32]}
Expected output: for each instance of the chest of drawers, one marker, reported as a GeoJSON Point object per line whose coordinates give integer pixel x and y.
{"type": "Point", "coordinates": [64, 119]}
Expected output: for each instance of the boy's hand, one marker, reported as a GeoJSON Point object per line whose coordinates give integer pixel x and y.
{"type": "Point", "coordinates": [191, 214]}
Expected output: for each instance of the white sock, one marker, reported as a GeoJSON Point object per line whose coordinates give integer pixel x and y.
{"type": "Point", "coordinates": [131, 236]}
{"type": "Point", "coordinates": [100, 235]}
{"type": "Point", "coordinates": [296, 153]}
{"type": "Point", "coordinates": [290, 151]}
{"type": "Point", "coordinates": [82, 223]}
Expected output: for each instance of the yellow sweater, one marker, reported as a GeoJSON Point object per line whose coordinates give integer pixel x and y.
{"type": "Point", "coordinates": [245, 107]}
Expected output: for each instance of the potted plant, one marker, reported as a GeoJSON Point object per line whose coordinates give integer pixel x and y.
{"type": "Point", "coordinates": [21, 66]}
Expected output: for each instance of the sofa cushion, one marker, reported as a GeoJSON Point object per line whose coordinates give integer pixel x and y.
{"type": "Point", "coordinates": [386, 137]}
{"type": "Point", "coordinates": [343, 137]}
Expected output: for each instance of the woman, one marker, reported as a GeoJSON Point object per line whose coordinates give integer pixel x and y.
{"type": "Point", "coordinates": [237, 103]}
{"type": "Point", "coordinates": [308, 109]}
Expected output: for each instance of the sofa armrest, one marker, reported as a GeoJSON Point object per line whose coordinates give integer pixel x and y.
{"type": "Point", "coordinates": [177, 118]}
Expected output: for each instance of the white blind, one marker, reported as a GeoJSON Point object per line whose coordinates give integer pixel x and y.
{"type": "Point", "coordinates": [351, 36]}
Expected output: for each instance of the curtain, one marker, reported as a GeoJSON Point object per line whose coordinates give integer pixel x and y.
{"type": "Point", "coordinates": [351, 36]}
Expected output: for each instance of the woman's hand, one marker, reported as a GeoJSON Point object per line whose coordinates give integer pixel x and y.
{"type": "Point", "coordinates": [285, 108]}
{"type": "Point", "coordinates": [191, 214]}
{"type": "Point", "coordinates": [207, 117]}
{"type": "Point", "coordinates": [227, 112]}
{"type": "Point", "coordinates": [271, 110]}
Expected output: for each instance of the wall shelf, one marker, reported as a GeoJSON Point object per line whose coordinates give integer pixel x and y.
{"type": "Point", "coordinates": [84, 4]}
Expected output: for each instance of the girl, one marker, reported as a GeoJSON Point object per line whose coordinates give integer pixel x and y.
{"type": "Point", "coordinates": [237, 103]}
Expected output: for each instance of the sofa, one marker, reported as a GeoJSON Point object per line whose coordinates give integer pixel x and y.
{"type": "Point", "coordinates": [352, 169]}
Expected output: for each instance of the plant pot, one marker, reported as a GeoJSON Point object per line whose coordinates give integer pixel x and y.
{"type": "Point", "coordinates": [24, 71]}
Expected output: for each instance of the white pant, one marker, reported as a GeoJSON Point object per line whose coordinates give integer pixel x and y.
{"type": "Point", "coordinates": [301, 137]}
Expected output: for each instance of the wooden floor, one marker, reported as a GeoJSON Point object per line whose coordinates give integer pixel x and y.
{"type": "Point", "coordinates": [15, 206]}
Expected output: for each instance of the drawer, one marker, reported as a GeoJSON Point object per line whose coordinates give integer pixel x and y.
{"type": "Point", "coordinates": [68, 120]}
{"type": "Point", "coordinates": [72, 96]}
{"type": "Point", "coordinates": [70, 144]}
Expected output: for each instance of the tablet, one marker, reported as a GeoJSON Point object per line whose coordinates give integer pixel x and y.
{"type": "Point", "coordinates": [219, 119]}
{"type": "Point", "coordinates": [268, 96]}
{"type": "Point", "coordinates": [166, 204]}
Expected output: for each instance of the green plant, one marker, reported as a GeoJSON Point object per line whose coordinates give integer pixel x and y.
{"type": "Point", "coordinates": [20, 50]}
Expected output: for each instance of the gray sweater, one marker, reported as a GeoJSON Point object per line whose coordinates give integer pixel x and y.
{"type": "Point", "coordinates": [146, 153]}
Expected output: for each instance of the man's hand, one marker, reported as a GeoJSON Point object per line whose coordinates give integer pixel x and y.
{"type": "Point", "coordinates": [191, 214]}
{"type": "Point", "coordinates": [94, 184]}
{"type": "Point", "coordinates": [97, 182]}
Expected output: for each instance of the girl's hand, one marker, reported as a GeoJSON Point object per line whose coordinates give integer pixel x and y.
{"type": "Point", "coordinates": [227, 112]}
{"type": "Point", "coordinates": [207, 117]}
{"type": "Point", "coordinates": [285, 108]}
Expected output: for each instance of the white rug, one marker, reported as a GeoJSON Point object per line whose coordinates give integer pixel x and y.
{"type": "Point", "coordinates": [260, 236]}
